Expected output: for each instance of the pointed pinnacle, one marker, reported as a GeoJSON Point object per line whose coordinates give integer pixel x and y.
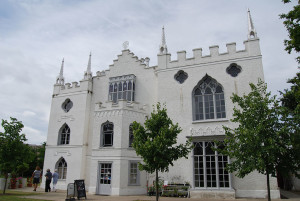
{"type": "Point", "coordinates": [62, 68]}
{"type": "Point", "coordinates": [89, 63]}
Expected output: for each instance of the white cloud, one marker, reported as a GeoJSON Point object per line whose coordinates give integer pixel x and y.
{"type": "Point", "coordinates": [34, 136]}
{"type": "Point", "coordinates": [28, 113]}
{"type": "Point", "coordinates": [35, 36]}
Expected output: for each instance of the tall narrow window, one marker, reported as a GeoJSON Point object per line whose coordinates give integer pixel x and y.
{"type": "Point", "coordinates": [61, 167]}
{"type": "Point", "coordinates": [130, 135]}
{"type": "Point", "coordinates": [122, 87]}
{"type": "Point", "coordinates": [107, 134]}
{"type": "Point", "coordinates": [64, 135]}
{"type": "Point", "coordinates": [209, 167]}
{"type": "Point", "coordinates": [133, 173]}
{"type": "Point", "coordinates": [208, 100]}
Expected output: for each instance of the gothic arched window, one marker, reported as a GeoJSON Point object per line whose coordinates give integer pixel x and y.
{"type": "Point", "coordinates": [61, 166]}
{"type": "Point", "coordinates": [107, 134]}
{"type": "Point", "coordinates": [208, 100]}
{"type": "Point", "coordinates": [130, 135]}
{"type": "Point", "coordinates": [64, 135]}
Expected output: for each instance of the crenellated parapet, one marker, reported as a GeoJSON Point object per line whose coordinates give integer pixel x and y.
{"type": "Point", "coordinates": [74, 87]}
{"type": "Point", "coordinates": [252, 49]}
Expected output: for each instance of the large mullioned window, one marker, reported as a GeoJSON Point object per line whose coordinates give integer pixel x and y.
{"type": "Point", "coordinates": [122, 88]}
{"type": "Point", "coordinates": [208, 100]}
{"type": "Point", "coordinates": [61, 167]}
{"type": "Point", "coordinates": [64, 135]}
{"type": "Point", "coordinates": [107, 134]}
{"type": "Point", "coordinates": [209, 167]}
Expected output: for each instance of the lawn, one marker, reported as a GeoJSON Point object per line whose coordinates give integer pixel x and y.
{"type": "Point", "coordinates": [16, 196]}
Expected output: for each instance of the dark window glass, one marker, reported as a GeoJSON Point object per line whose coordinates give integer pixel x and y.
{"type": "Point", "coordinates": [64, 134]}
{"type": "Point", "coordinates": [61, 167]}
{"type": "Point", "coordinates": [107, 133]}
{"type": "Point", "coordinates": [209, 102]}
{"type": "Point", "coordinates": [130, 135]}
{"type": "Point", "coordinates": [67, 105]}
{"type": "Point", "coordinates": [214, 164]}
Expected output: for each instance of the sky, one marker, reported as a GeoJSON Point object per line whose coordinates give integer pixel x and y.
{"type": "Point", "coordinates": [35, 35]}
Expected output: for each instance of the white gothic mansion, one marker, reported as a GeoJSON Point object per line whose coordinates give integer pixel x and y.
{"type": "Point", "coordinates": [90, 135]}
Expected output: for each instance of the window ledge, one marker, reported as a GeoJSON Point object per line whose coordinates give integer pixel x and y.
{"type": "Point", "coordinates": [133, 184]}
{"type": "Point", "coordinates": [108, 147]}
{"type": "Point", "coordinates": [210, 120]}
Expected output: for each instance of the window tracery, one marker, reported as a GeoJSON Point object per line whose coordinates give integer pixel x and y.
{"type": "Point", "coordinates": [122, 87]}
{"type": "Point", "coordinates": [208, 100]}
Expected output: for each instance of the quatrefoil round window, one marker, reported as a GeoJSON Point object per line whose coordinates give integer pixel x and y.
{"type": "Point", "coordinates": [233, 70]}
{"type": "Point", "coordinates": [67, 105]}
{"type": "Point", "coordinates": [181, 76]}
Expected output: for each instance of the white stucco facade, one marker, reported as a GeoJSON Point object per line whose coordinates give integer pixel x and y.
{"type": "Point", "coordinates": [88, 151]}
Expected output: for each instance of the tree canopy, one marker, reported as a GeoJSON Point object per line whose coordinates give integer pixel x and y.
{"type": "Point", "coordinates": [259, 141]}
{"type": "Point", "coordinates": [156, 143]}
{"type": "Point", "coordinates": [14, 154]}
{"type": "Point", "coordinates": [292, 24]}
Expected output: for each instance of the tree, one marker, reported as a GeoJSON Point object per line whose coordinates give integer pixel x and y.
{"type": "Point", "coordinates": [292, 25]}
{"type": "Point", "coordinates": [291, 97]}
{"type": "Point", "coordinates": [14, 155]}
{"type": "Point", "coordinates": [290, 100]}
{"type": "Point", "coordinates": [155, 143]}
{"type": "Point", "coordinates": [259, 141]}
{"type": "Point", "coordinates": [38, 152]}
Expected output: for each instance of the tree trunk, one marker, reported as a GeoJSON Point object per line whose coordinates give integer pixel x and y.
{"type": "Point", "coordinates": [6, 176]}
{"type": "Point", "coordinates": [268, 185]}
{"type": "Point", "coordinates": [156, 181]}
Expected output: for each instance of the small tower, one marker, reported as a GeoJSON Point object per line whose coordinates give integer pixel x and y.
{"type": "Point", "coordinates": [251, 30]}
{"type": "Point", "coordinates": [60, 80]}
{"type": "Point", "coordinates": [163, 49]}
{"type": "Point", "coordinates": [88, 73]}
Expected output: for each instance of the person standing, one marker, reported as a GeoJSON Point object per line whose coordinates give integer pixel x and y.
{"type": "Point", "coordinates": [55, 176]}
{"type": "Point", "coordinates": [48, 176]}
{"type": "Point", "coordinates": [36, 177]}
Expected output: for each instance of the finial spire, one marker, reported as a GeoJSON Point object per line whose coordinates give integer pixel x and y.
{"type": "Point", "coordinates": [88, 72]}
{"type": "Point", "coordinates": [251, 30]}
{"type": "Point", "coordinates": [163, 49]}
{"type": "Point", "coordinates": [60, 80]}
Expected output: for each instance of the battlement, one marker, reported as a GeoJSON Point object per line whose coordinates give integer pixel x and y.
{"type": "Point", "coordinates": [252, 49]}
{"type": "Point", "coordinates": [85, 85]}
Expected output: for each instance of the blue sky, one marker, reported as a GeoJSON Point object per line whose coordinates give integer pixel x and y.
{"type": "Point", "coordinates": [36, 34]}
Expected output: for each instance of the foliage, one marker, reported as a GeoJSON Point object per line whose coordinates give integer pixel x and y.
{"type": "Point", "coordinates": [291, 97]}
{"type": "Point", "coordinates": [291, 118]}
{"type": "Point", "coordinates": [38, 158]}
{"type": "Point", "coordinates": [260, 141]}
{"type": "Point", "coordinates": [292, 24]}
{"type": "Point", "coordinates": [14, 154]}
{"type": "Point", "coordinates": [155, 142]}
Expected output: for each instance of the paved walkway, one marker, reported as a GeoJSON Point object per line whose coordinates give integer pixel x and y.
{"type": "Point", "coordinates": [60, 195]}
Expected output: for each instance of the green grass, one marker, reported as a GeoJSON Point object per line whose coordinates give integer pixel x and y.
{"type": "Point", "coordinates": [16, 196]}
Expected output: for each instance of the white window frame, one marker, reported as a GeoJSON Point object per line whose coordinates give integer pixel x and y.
{"type": "Point", "coordinates": [62, 171]}
{"type": "Point", "coordinates": [217, 168]}
{"type": "Point", "coordinates": [115, 93]}
{"type": "Point", "coordinates": [67, 135]}
{"type": "Point", "coordinates": [202, 86]}
{"type": "Point", "coordinates": [103, 134]}
{"type": "Point", "coordinates": [130, 173]}
{"type": "Point", "coordinates": [130, 136]}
